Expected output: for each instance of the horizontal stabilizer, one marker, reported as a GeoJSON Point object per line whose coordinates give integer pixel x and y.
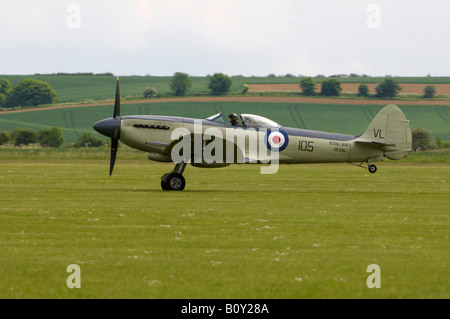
{"type": "Point", "coordinates": [381, 144]}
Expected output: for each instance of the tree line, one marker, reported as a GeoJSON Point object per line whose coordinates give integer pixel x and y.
{"type": "Point", "coordinates": [78, 74]}
{"type": "Point", "coordinates": [220, 84]}
{"type": "Point", "coordinates": [181, 83]}
{"type": "Point", "coordinates": [29, 92]}
{"type": "Point", "coordinates": [388, 88]}
{"type": "Point", "coordinates": [421, 140]}
{"type": "Point", "coordinates": [52, 137]}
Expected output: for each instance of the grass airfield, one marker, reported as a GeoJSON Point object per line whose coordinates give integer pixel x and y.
{"type": "Point", "coordinates": [309, 231]}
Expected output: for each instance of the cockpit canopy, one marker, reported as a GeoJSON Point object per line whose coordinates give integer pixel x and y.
{"type": "Point", "coordinates": [248, 120]}
{"type": "Point", "coordinates": [257, 121]}
{"type": "Point", "coordinates": [218, 118]}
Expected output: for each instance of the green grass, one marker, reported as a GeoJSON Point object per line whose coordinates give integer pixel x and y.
{"type": "Point", "coordinates": [309, 231]}
{"type": "Point", "coordinates": [431, 156]}
{"type": "Point", "coordinates": [38, 153]}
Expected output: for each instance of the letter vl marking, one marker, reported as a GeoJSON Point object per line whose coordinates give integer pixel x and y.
{"type": "Point", "coordinates": [377, 133]}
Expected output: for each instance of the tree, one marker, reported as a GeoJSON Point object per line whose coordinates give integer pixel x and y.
{"type": "Point", "coordinates": [5, 91]}
{"type": "Point", "coordinates": [3, 99]}
{"type": "Point", "coordinates": [219, 83]}
{"type": "Point", "coordinates": [439, 142]}
{"type": "Point", "coordinates": [51, 137]}
{"type": "Point", "coordinates": [388, 88]}
{"type": "Point", "coordinates": [87, 140]}
{"type": "Point", "coordinates": [245, 89]}
{"type": "Point", "coordinates": [31, 92]}
{"type": "Point", "coordinates": [331, 87]}
{"type": "Point", "coordinates": [429, 91]}
{"type": "Point", "coordinates": [180, 83]}
{"type": "Point", "coordinates": [363, 90]}
{"type": "Point", "coordinates": [5, 138]}
{"type": "Point", "coordinates": [5, 86]}
{"type": "Point", "coordinates": [421, 139]}
{"type": "Point", "coordinates": [150, 93]}
{"type": "Point", "coordinates": [25, 137]}
{"type": "Point", "coordinates": [308, 86]}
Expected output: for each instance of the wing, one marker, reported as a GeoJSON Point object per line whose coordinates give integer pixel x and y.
{"type": "Point", "coordinates": [211, 152]}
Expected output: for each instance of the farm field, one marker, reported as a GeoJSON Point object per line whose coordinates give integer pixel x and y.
{"type": "Point", "coordinates": [407, 88]}
{"type": "Point", "coordinates": [331, 117]}
{"type": "Point", "coordinates": [309, 231]}
{"type": "Point", "coordinates": [77, 88]}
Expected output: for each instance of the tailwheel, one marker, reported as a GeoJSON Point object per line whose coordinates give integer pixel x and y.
{"type": "Point", "coordinates": [372, 168]}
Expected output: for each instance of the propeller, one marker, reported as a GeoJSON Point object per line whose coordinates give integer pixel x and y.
{"type": "Point", "coordinates": [111, 128]}
{"type": "Point", "coordinates": [116, 133]}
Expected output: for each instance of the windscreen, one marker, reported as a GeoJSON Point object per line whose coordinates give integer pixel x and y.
{"type": "Point", "coordinates": [257, 121]}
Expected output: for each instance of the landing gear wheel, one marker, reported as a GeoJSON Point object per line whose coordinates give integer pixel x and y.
{"type": "Point", "coordinates": [164, 184]}
{"type": "Point", "coordinates": [173, 181]}
{"type": "Point", "coordinates": [372, 168]}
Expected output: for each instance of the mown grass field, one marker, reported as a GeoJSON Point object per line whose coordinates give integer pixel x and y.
{"type": "Point", "coordinates": [309, 231]}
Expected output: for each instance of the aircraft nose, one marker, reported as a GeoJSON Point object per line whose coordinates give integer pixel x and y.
{"type": "Point", "coordinates": [108, 127]}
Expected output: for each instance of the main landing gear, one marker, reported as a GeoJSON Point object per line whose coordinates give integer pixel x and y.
{"type": "Point", "coordinates": [174, 181]}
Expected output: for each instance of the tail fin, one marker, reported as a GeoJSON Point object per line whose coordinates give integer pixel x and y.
{"type": "Point", "coordinates": [390, 131]}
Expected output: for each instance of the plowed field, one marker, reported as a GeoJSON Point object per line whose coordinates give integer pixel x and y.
{"type": "Point", "coordinates": [407, 88]}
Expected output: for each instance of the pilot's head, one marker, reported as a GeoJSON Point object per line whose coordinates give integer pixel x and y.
{"type": "Point", "coordinates": [233, 117]}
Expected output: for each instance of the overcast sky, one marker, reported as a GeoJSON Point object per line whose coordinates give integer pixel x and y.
{"type": "Point", "coordinates": [247, 37]}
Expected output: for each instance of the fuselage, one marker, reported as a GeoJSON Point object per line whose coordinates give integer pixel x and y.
{"type": "Point", "coordinates": [153, 134]}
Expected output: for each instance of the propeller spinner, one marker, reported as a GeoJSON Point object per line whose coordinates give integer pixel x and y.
{"type": "Point", "coordinates": [111, 128]}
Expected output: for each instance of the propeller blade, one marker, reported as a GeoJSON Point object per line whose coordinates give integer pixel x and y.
{"type": "Point", "coordinates": [116, 133]}
{"type": "Point", "coordinates": [114, 145]}
{"type": "Point", "coordinates": [117, 102]}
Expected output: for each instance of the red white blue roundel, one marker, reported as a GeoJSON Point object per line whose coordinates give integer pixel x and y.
{"type": "Point", "coordinates": [276, 140]}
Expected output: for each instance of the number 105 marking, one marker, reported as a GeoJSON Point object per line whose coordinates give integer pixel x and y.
{"type": "Point", "coordinates": [306, 146]}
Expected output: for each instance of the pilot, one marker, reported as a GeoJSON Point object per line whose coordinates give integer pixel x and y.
{"type": "Point", "coordinates": [233, 119]}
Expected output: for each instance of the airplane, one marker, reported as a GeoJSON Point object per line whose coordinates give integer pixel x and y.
{"type": "Point", "coordinates": [388, 135]}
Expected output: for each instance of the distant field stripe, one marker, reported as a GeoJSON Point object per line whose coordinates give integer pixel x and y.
{"type": "Point", "coordinates": [26, 124]}
{"type": "Point", "coordinates": [245, 99]}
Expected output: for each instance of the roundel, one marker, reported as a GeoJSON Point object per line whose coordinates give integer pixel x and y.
{"type": "Point", "coordinates": [276, 140]}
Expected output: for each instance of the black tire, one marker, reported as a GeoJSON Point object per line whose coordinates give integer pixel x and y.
{"type": "Point", "coordinates": [173, 181]}
{"type": "Point", "coordinates": [372, 168]}
{"type": "Point", "coordinates": [164, 186]}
